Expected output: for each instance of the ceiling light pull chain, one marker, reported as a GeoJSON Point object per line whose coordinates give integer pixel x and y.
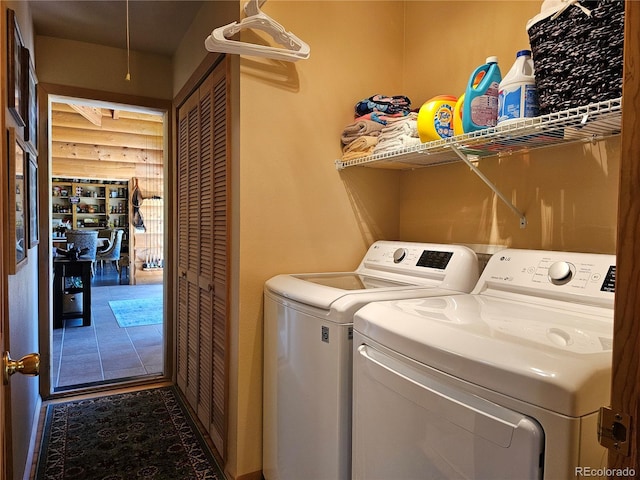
{"type": "Point", "coordinates": [128, 77]}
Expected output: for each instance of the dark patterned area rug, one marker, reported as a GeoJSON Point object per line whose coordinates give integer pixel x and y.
{"type": "Point", "coordinates": [138, 435]}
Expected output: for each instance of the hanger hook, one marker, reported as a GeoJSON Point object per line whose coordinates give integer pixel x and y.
{"type": "Point", "coordinates": [252, 7]}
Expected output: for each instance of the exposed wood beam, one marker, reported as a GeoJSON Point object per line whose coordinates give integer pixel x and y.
{"type": "Point", "coordinates": [123, 125]}
{"type": "Point", "coordinates": [94, 115]}
{"type": "Point", "coordinates": [148, 117]}
{"type": "Point", "coordinates": [97, 137]}
{"type": "Point", "coordinates": [94, 153]}
{"type": "Point", "coordinates": [111, 170]}
{"type": "Point", "coordinates": [115, 114]}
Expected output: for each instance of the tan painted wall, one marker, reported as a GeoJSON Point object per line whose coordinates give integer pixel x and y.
{"type": "Point", "coordinates": [568, 194]}
{"type": "Point", "coordinates": [445, 41]}
{"type": "Point", "coordinates": [191, 51]}
{"type": "Point", "coordinates": [569, 197]}
{"type": "Point", "coordinates": [297, 213]}
{"type": "Point", "coordinates": [96, 67]}
{"type": "Point", "coordinates": [294, 212]}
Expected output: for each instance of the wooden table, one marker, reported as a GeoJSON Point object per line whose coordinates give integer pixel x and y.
{"type": "Point", "coordinates": [64, 269]}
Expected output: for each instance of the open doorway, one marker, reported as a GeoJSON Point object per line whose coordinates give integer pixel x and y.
{"type": "Point", "coordinates": [106, 194]}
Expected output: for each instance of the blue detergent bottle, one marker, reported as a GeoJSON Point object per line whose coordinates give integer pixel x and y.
{"type": "Point", "coordinates": [480, 108]}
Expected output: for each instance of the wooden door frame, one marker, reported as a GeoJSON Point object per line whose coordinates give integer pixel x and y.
{"type": "Point", "coordinates": [45, 91]}
{"type": "Point", "coordinates": [5, 403]}
{"type": "Point", "coordinates": [5, 413]}
{"type": "Point", "coordinates": [6, 464]}
{"type": "Point", "coordinates": [6, 471]}
{"type": "Point", "coordinates": [625, 383]}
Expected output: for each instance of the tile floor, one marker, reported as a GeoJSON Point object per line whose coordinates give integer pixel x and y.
{"type": "Point", "coordinates": [104, 351]}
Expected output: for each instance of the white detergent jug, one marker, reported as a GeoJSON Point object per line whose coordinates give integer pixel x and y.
{"type": "Point", "coordinates": [517, 94]}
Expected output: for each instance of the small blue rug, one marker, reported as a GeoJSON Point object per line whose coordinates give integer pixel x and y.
{"type": "Point", "coordinates": [137, 312]}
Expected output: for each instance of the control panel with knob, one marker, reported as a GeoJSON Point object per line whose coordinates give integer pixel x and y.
{"type": "Point", "coordinates": [449, 266]}
{"type": "Point", "coordinates": [570, 276]}
{"type": "Point", "coordinates": [561, 272]}
{"type": "Point", "coordinates": [399, 255]}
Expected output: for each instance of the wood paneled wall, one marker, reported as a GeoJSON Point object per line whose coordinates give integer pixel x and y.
{"type": "Point", "coordinates": [126, 145]}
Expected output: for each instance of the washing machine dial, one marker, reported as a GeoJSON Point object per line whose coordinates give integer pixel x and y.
{"type": "Point", "coordinates": [399, 255]}
{"type": "Point", "coordinates": [561, 272]}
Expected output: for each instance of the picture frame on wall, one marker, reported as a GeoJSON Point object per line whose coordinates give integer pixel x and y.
{"type": "Point", "coordinates": [30, 101]}
{"type": "Point", "coordinates": [17, 241]}
{"type": "Point", "coordinates": [15, 82]}
{"type": "Point", "coordinates": [34, 213]}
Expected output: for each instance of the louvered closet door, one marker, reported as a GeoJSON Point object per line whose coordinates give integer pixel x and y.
{"type": "Point", "coordinates": [188, 311]}
{"type": "Point", "coordinates": [202, 253]}
{"type": "Point", "coordinates": [220, 244]}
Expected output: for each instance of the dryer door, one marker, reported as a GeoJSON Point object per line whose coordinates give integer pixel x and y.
{"type": "Point", "coordinates": [412, 422]}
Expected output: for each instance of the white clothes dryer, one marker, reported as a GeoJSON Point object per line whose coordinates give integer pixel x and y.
{"type": "Point", "coordinates": [308, 337]}
{"type": "Point", "coordinates": [503, 383]}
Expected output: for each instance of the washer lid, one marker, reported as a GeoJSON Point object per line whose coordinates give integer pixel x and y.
{"type": "Point", "coordinates": [323, 289]}
{"type": "Point", "coordinates": [556, 356]}
{"type": "Point", "coordinates": [350, 281]}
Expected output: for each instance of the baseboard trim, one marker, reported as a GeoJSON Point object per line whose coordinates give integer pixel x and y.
{"type": "Point", "coordinates": [34, 447]}
{"type": "Point", "coordinates": [247, 476]}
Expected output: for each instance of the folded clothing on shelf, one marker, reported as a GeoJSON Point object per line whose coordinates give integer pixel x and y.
{"type": "Point", "coordinates": [360, 128]}
{"type": "Point", "coordinates": [382, 118]}
{"type": "Point", "coordinates": [399, 133]}
{"type": "Point", "coordinates": [375, 117]}
{"type": "Point", "coordinates": [396, 143]}
{"type": "Point", "coordinates": [384, 104]}
{"type": "Point", "coordinates": [360, 147]}
{"type": "Point", "coordinates": [407, 125]}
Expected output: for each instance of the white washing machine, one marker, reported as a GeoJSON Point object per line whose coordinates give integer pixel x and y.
{"type": "Point", "coordinates": [502, 383]}
{"type": "Point", "coordinates": [308, 349]}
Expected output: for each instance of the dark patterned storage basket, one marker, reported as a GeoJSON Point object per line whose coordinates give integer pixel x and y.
{"type": "Point", "coordinates": [578, 58]}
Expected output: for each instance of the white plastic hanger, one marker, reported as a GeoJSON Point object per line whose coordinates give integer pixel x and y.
{"type": "Point", "coordinates": [295, 49]}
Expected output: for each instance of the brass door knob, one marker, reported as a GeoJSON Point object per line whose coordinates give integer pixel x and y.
{"type": "Point", "coordinates": [27, 365]}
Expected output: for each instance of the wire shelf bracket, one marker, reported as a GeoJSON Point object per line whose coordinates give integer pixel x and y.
{"type": "Point", "coordinates": [469, 159]}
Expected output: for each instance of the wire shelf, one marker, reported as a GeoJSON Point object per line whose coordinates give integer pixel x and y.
{"type": "Point", "coordinates": [589, 123]}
